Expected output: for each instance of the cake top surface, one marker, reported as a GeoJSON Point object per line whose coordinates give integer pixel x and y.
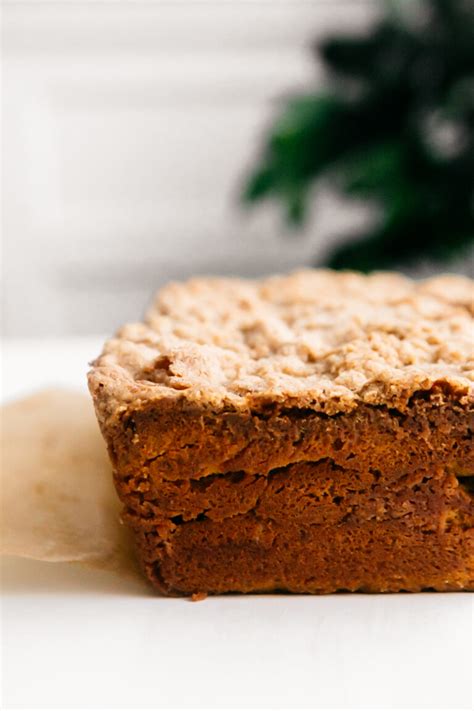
{"type": "Point", "coordinates": [315, 339]}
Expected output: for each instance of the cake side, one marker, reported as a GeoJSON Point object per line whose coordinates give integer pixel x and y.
{"type": "Point", "coordinates": [312, 526]}
{"type": "Point", "coordinates": [191, 442]}
{"type": "Point", "coordinates": [271, 493]}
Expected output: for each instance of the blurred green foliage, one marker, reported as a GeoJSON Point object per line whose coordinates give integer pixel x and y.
{"type": "Point", "coordinates": [395, 129]}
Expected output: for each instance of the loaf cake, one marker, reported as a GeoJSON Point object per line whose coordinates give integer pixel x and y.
{"type": "Point", "coordinates": [307, 433]}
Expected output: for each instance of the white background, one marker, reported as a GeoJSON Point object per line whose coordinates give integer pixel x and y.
{"type": "Point", "coordinates": [76, 638]}
{"type": "Point", "coordinates": [128, 130]}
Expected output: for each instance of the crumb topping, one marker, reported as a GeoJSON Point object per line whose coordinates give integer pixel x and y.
{"type": "Point", "coordinates": [315, 339]}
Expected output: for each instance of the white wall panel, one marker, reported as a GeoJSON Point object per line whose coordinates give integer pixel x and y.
{"type": "Point", "coordinates": [127, 129]}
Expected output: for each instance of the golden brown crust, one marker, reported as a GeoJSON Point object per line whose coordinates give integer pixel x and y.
{"type": "Point", "coordinates": [313, 339]}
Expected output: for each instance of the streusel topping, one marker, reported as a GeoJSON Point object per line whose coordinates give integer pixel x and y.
{"type": "Point", "coordinates": [315, 339]}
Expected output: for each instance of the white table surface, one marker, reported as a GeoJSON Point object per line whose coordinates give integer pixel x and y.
{"type": "Point", "coordinates": [76, 638]}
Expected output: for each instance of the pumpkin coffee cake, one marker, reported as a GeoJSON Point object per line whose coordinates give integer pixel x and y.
{"type": "Point", "coordinates": [305, 433]}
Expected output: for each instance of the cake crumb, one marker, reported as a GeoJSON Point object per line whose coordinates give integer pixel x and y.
{"type": "Point", "coordinates": [198, 596]}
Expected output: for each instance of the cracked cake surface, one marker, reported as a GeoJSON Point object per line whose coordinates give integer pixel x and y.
{"type": "Point", "coordinates": [317, 338]}
{"type": "Point", "coordinates": [305, 433]}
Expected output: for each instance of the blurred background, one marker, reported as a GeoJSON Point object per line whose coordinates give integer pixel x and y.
{"type": "Point", "coordinates": [129, 133]}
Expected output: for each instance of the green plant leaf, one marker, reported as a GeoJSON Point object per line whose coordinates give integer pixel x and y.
{"type": "Point", "coordinates": [259, 184]}
{"type": "Point", "coordinates": [396, 129]}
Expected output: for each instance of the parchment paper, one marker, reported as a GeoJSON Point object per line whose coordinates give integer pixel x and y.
{"type": "Point", "coordinates": [57, 497]}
